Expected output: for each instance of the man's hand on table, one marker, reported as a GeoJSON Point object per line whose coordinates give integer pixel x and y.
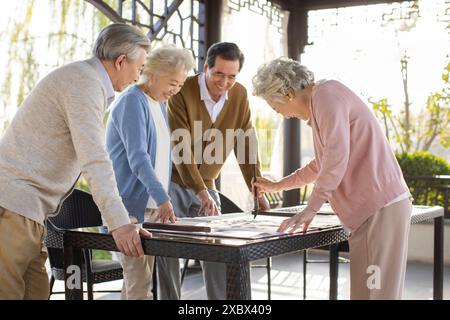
{"type": "Point", "coordinates": [208, 205]}
{"type": "Point", "coordinates": [128, 241]}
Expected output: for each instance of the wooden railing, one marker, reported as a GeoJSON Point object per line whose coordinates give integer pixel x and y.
{"type": "Point", "coordinates": [426, 190]}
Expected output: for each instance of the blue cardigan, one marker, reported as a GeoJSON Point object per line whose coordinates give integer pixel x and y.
{"type": "Point", "coordinates": [131, 144]}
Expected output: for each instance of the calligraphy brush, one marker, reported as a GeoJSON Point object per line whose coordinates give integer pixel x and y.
{"type": "Point", "coordinates": [255, 195]}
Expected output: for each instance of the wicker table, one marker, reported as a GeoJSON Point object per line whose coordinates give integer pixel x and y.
{"type": "Point", "coordinates": [235, 253]}
{"type": "Point", "coordinates": [238, 253]}
{"type": "Point", "coordinates": [436, 213]}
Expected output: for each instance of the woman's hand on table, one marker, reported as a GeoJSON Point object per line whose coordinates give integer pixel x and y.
{"type": "Point", "coordinates": [303, 218]}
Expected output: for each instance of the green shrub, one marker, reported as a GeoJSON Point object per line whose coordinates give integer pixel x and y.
{"type": "Point", "coordinates": [425, 189]}
{"type": "Point", "coordinates": [101, 255]}
{"type": "Point", "coordinates": [422, 164]}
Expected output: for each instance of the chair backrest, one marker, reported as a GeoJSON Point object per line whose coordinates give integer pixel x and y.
{"type": "Point", "coordinates": [276, 198]}
{"type": "Point", "coordinates": [78, 211]}
{"type": "Point", "coordinates": [228, 206]}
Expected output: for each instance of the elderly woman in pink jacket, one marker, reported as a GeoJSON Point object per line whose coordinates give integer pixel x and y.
{"type": "Point", "coordinates": [354, 169]}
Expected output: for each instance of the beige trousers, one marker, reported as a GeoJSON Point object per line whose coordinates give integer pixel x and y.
{"type": "Point", "coordinates": [378, 254]}
{"type": "Point", "coordinates": [137, 277]}
{"type": "Point", "coordinates": [138, 272]}
{"type": "Point", "coordinates": [22, 258]}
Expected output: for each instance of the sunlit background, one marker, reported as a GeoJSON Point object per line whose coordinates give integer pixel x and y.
{"type": "Point", "coordinates": [369, 48]}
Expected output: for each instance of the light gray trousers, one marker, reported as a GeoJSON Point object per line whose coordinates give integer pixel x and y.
{"type": "Point", "coordinates": [186, 204]}
{"type": "Point", "coordinates": [378, 254]}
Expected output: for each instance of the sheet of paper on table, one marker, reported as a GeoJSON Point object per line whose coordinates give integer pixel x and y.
{"type": "Point", "coordinates": [324, 210]}
{"type": "Point", "coordinates": [243, 226]}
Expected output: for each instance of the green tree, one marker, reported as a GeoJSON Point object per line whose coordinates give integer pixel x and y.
{"type": "Point", "coordinates": [265, 128]}
{"type": "Point", "coordinates": [414, 132]}
{"type": "Point", "coordinates": [420, 132]}
{"type": "Point", "coordinates": [69, 37]}
{"type": "Point", "coordinates": [73, 27]}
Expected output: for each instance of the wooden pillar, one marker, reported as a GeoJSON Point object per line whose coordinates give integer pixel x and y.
{"type": "Point", "coordinates": [213, 21]}
{"type": "Point", "coordinates": [212, 34]}
{"type": "Point", "coordinates": [297, 38]}
{"type": "Point", "coordinates": [211, 31]}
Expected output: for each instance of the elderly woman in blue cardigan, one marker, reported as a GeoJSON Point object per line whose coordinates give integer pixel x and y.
{"type": "Point", "coordinates": [138, 143]}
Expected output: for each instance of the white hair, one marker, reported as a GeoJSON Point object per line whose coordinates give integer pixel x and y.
{"type": "Point", "coordinates": [167, 59]}
{"type": "Point", "coordinates": [275, 79]}
{"type": "Point", "coordinates": [120, 38]}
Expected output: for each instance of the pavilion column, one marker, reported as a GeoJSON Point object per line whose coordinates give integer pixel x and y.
{"type": "Point", "coordinates": [297, 38]}
{"type": "Point", "coordinates": [213, 21]}
{"type": "Point", "coordinates": [212, 34]}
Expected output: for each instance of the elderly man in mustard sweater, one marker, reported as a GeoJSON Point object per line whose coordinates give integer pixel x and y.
{"type": "Point", "coordinates": [209, 104]}
{"type": "Point", "coordinates": [56, 134]}
{"type": "Point", "coordinates": [354, 169]}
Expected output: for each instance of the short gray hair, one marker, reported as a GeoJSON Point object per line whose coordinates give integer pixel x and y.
{"type": "Point", "coordinates": [167, 59]}
{"type": "Point", "coordinates": [120, 38]}
{"type": "Point", "coordinates": [274, 79]}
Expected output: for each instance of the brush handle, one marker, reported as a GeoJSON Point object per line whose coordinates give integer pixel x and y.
{"type": "Point", "coordinates": [255, 194]}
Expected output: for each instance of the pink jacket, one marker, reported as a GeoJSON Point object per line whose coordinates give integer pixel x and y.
{"type": "Point", "coordinates": [354, 167]}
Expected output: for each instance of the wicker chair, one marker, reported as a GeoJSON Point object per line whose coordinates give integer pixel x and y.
{"type": "Point", "coordinates": [79, 211]}
{"type": "Point", "coordinates": [275, 199]}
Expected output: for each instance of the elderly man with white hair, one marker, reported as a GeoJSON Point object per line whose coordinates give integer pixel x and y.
{"type": "Point", "coordinates": [56, 134]}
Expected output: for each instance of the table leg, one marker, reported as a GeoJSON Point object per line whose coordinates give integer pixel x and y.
{"type": "Point", "coordinates": [238, 281]}
{"type": "Point", "coordinates": [334, 270]}
{"type": "Point", "coordinates": [73, 281]}
{"type": "Point", "coordinates": [438, 266]}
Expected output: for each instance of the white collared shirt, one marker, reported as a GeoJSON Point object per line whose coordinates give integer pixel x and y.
{"type": "Point", "coordinates": [213, 107]}
{"type": "Point", "coordinates": [106, 81]}
{"type": "Point", "coordinates": [162, 159]}
{"type": "Point", "coordinates": [401, 197]}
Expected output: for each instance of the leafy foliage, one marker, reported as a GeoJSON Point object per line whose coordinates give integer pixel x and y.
{"type": "Point", "coordinates": [265, 129]}
{"type": "Point", "coordinates": [427, 177]}
{"type": "Point", "coordinates": [33, 52]}
{"type": "Point", "coordinates": [420, 132]}
{"type": "Point", "coordinates": [422, 164]}
{"type": "Point", "coordinates": [69, 37]}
